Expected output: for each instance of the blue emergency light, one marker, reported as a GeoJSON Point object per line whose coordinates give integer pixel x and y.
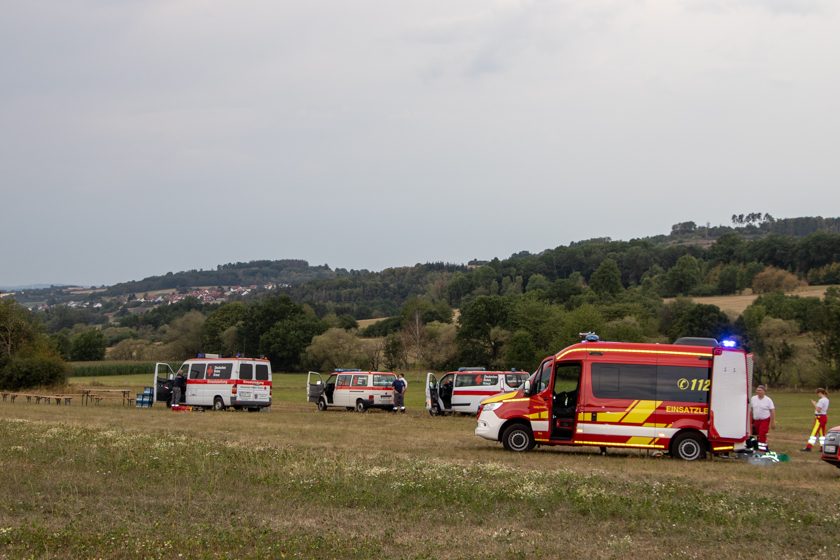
{"type": "Point", "coordinates": [729, 343]}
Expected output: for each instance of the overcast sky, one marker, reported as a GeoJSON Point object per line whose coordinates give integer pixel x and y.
{"type": "Point", "coordinates": [142, 137]}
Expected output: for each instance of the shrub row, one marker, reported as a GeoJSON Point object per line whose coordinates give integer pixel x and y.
{"type": "Point", "coordinates": [21, 372]}
{"type": "Point", "coordinates": [108, 368]}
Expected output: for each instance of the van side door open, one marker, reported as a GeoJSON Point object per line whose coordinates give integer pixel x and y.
{"type": "Point", "coordinates": [566, 388]}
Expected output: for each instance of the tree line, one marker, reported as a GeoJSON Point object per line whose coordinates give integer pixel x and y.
{"type": "Point", "coordinates": [502, 313]}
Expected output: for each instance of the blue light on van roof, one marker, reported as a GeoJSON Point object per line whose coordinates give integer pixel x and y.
{"type": "Point", "coordinates": [729, 343]}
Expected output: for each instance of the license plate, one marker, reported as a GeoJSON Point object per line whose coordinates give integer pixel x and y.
{"type": "Point", "coordinates": [386, 397]}
{"type": "Point", "coordinates": [830, 449]}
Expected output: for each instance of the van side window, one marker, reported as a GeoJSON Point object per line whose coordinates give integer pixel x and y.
{"type": "Point", "coordinates": [343, 381]}
{"type": "Point", "coordinates": [545, 376]}
{"type": "Point", "coordinates": [246, 371]}
{"type": "Point", "coordinates": [624, 381]}
{"type": "Point", "coordinates": [219, 371]}
{"type": "Point", "coordinates": [262, 372]}
{"type": "Point", "coordinates": [380, 380]}
{"type": "Point", "coordinates": [683, 384]}
{"type": "Point", "coordinates": [464, 380]}
{"type": "Point", "coordinates": [197, 371]}
{"type": "Point", "coordinates": [360, 381]}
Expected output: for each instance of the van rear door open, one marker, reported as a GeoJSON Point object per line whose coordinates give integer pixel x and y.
{"type": "Point", "coordinates": [729, 401]}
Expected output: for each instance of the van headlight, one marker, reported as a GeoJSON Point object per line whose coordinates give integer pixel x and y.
{"type": "Point", "coordinates": [490, 406]}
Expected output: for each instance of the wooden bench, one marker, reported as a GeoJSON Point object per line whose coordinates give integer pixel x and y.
{"type": "Point", "coordinates": [38, 398]}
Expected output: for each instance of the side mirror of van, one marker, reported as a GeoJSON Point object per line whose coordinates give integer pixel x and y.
{"type": "Point", "coordinates": [526, 387]}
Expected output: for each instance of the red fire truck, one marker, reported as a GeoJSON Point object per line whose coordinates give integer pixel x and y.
{"type": "Point", "coordinates": [686, 398]}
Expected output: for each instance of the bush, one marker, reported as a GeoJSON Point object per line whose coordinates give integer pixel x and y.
{"type": "Point", "coordinates": [773, 279]}
{"type": "Point", "coordinates": [21, 373]}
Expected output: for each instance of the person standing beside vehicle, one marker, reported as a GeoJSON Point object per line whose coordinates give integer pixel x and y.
{"type": "Point", "coordinates": [763, 415]}
{"type": "Point", "coordinates": [820, 419]}
{"type": "Point", "coordinates": [399, 385]}
{"type": "Point", "coordinates": [179, 385]}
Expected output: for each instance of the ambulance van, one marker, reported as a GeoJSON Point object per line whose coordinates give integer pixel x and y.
{"type": "Point", "coordinates": [463, 390]}
{"type": "Point", "coordinates": [351, 389]}
{"type": "Point", "coordinates": [686, 399]}
{"type": "Point", "coordinates": [218, 383]}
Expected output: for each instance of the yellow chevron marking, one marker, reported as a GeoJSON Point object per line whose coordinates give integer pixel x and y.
{"type": "Point", "coordinates": [641, 441]}
{"type": "Point", "coordinates": [641, 412]}
{"type": "Point", "coordinates": [628, 409]}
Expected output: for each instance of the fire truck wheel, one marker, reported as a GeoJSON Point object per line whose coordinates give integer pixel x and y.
{"type": "Point", "coordinates": [518, 437]}
{"type": "Point", "coordinates": [688, 447]}
{"type": "Point", "coordinates": [322, 405]}
{"type": "Point", "coordinates": [218, 404]}
{"type": "Point", "coordinates": [360, 406]}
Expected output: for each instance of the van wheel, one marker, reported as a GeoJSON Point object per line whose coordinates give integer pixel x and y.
{"type": "Point", "coordinates": [322, 405]}
{"type": "Point", "coordinates": [360, 406]}
{"type": "Point", "coordinates": [688, 447]}
{"type": "Point", "coordinates": [518, 438]}
{"type": "Point", "coordinates": [218, 404]}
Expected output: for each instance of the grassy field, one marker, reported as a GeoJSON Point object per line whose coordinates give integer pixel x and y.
{"type": "Point", "coordinates": [118, 482]}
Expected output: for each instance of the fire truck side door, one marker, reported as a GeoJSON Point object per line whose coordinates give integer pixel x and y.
{"type": "Point", "coordinates": [565, 390]}
{"type": "Point", "coordinates": [314, 388]}
{"type": "Point", "coordinates": [540, 406]}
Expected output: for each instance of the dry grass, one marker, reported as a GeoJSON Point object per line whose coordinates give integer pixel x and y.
{"type": "Point", "coordinates": [364, 323]}
{"type": "Point", "coordinates": [123, 483]}
{"type": "Point", "coordinates": [735, 305]}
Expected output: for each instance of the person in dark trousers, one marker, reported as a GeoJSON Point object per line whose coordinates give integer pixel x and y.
{"type": "Point", "coordinates": [399, 393]}
{"type": "Point", "coordinates": [179, 386]}
{"type": "Point", "coordinates": [820, 419]}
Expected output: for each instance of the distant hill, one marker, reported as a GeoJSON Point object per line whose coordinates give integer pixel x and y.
{"type": "Point", "coordinates": [289, 271]}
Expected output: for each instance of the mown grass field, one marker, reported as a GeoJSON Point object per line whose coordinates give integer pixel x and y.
{"type": "Point", "coordinates": [734, 305]}
{"type": "Point", "coordinates": [114, 482]}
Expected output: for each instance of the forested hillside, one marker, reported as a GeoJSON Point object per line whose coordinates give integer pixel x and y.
{"type": "Point", "coordinates": [503, 313]}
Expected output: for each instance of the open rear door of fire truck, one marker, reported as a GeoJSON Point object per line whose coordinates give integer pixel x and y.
{"type": "Point", "coordinates": [729, 401]}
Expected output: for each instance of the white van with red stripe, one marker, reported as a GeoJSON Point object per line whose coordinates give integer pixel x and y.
{"type": "Point", "coordinates": [463, 390]}
{"type": "Point", "coordinates": [351, 389]}
{"type": "Point", "coordinates": [214, 382]}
